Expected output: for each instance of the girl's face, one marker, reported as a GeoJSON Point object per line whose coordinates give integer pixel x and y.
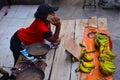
{"type": "Point", "coordinates": [52, 13]}
{"type": "Point", "coordinates": [51, 17]}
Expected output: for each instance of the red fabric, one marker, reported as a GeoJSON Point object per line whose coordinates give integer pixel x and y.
{"type": "Point", "coordinates": [33, 33]}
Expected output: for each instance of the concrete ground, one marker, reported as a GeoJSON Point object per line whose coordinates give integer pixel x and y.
{"type": "Point", "coordinates": [22, 16]}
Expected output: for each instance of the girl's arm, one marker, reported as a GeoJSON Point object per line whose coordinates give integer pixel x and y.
{"type": "Point", "coordinates": [55, 37]}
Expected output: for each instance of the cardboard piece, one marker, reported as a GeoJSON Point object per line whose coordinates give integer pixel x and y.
{"type": "Point", "coordinates": [71, 46]}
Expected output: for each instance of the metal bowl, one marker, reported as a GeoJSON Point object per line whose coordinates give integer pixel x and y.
{"type": "Point", "coordinates": [30, 73]}
{"type": "Point", "coordinates": [38, 49]}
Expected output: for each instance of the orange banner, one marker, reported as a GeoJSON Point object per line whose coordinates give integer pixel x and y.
{"type": "Point", "coordinates": [88, 40]}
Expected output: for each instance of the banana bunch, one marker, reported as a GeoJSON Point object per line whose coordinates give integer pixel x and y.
{"type": "Point", "coordinates": [84, 62]}
{"type": "Point", "coordinates": [85, 56]}
{"type": "Point", "coordinates": [106, 65]}
{"type": "Point", "coordinates": [85, 67]}
{"type": "Point", "coordinates": [100, 40]}
{"type": "Point", "coordinates": [106, 55]}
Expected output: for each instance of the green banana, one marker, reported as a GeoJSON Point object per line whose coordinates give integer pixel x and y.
{"type": "Point", "coordinates": [87, 58]}
{"type": "Point", "coordinates": [103, 42]}
{"type": "Point", "coordinates": [100, 40]}
{"type": "Point", "coordinates": [109, 70]}
{"type": "Point", "coordinates": [106, 69]}
{"type": "Point", "coordinates": [87, 65]}
{"type": "Point", "coordinates": [100, 36]}
{"type": "Point", "coordinates": [107, 54]}
{"type": "Point", "coordinates": [110, 53]}
{"type": "Point", "coordinates": [101, 49]}
{"type": "Point", "coordinates": [102, 69]}
{"type": "Point", "coordinates": [105, 57]}
{"type": "Point", "coordinates": [96, 42]}
{"type": "Point", "coordinates": [109, 64]}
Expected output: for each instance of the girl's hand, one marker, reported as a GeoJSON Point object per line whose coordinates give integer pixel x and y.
{"type": "Point", "coordinates": [54, 20]}
{"type": "Point", "coordinates": [57, 42]}
{"type": "Point", "coordinates": [57, 22]}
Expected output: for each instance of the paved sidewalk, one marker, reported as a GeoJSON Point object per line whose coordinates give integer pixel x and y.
{"type": "Point", "coordinates": [18, 16]}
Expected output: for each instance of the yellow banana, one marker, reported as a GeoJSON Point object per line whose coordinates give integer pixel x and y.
{"type": "Point", "coordinates": [83, 52]}
{"type": "Point", "coordinates": [87, 58]}
{"type": "Point", "coordinates": [110, 53]}
{"type": "Point", "coordinates": [87, 65]}
{"type": "Point", "coordinates": [74, 59]}
{"type": "Point", "coordinates": [83, 69]}
{"type": "Point", "coordinates": [78, 68]}
{"type": "Point", "coordinates": [90, 51]}
{"type": "Point", "coordinates": [82, 45]}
